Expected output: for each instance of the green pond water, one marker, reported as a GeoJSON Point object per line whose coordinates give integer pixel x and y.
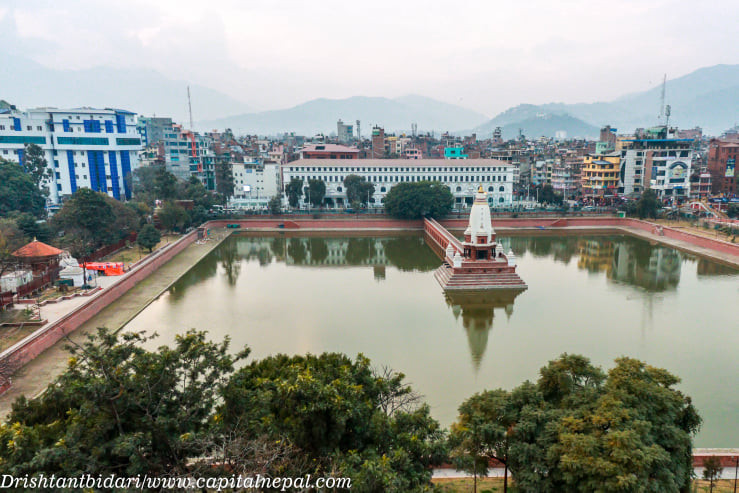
{"type": "Point", "coordinates": [600, 296]}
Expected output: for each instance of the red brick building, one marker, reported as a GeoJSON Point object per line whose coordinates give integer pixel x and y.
{"type": "Point", "coordinates": [722, 156]}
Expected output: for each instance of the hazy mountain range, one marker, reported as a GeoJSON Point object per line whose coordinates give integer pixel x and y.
{"type": "Point", "coordinates": [320, 115]}
{"type": "Point", "coordinates": [28, 84]}
{"type": "Point", "coordinates": [708, 97]}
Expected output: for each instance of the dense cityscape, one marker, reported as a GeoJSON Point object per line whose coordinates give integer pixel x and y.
{"type": "Point", "coordinates": [401, 247]}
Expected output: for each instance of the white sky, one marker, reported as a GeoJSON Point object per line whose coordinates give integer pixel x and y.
{"type": "Point", "coordinates": [485, 55]}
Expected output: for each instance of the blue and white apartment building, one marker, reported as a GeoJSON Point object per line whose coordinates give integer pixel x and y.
{"type": "Point", "coordinates": [84, 147]}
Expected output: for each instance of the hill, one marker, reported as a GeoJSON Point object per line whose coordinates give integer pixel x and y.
{"type": "Point", "coordinates": [28, 84]}
{"type": "Point", "coordinates": [707, 97]}
{"type": "Point", "coordinates": [320, 115]}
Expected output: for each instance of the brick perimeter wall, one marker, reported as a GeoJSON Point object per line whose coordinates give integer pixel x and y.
{"type": "Point", "coordinates": [27, 349]}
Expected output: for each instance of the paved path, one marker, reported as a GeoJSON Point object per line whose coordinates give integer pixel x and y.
{"type": "Point", "coordinates": [36, 375]}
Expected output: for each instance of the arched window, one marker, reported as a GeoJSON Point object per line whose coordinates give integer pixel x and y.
{"type": "Point", "coordinates": [382, 190]}
{"type": "Point", "coordinates": [501, 200]}
{"type": "Point", "coordinates": [338, 189]}
{"type": "Point", "coordinates": [490, 189]}
{"type": "Point", "coordinates": [459, 189]}
{"type": "Point", "coordinates": [501, 189]}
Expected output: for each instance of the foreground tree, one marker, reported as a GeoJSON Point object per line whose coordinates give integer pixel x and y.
{"type": "Point", "coordinates": [419, 199]}
{"type": "Point", "coordinates": [483, 432]}
{"type": "Point", "coordinates": [148, 237]}
{"type": "Point", "coordinates": [18, 192]}
{"type": "Point", "coordinates": [580, 430]}
{"type": "Point", "coordinates": [120, 409]}
{"type": "Point", "coordinates": [342, 416]}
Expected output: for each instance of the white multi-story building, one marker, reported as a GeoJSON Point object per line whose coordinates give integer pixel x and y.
{"type": "Point", "coordinates": [255, 184]}
{"type": "Point", "coordinates": [461, 176]}
{"type": "Point", "coordinates": [652, 160]}
{"type": "Point", "coordinates": [84, 147]}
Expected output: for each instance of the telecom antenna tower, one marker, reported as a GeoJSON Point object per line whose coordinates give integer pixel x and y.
{"type": "Point", "coordinates": [662, 99]}
{"type": "Point", "coordinates": [189, 106]}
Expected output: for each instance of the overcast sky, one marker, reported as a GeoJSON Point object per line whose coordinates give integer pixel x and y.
{"type": "Point", "coordinates": [484, 55]}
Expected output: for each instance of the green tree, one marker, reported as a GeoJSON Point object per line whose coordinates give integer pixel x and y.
{"type": "Point", "coordinates": [18, 192]}
{"type": "Point", "coordinates": [341, 415]}
{"type": "Point", "coordinates": [483, 431]}
{"type": "Point", "coordinates": [165, 184]}
{"type": "Point", "coordinates": [358, 189]}
{"type": "Point", "coordinates": [33, 228]}
{"type": "Point", "coordinates": [317, 191]}
{"type": "Point", "coordinates": [120, 409]}
{"type": "Point", "coordinates": [172, 217]}
{"type": "Point", "coordinates": [35, 164]}
{"type": "Point", "coordinates": [294, 191]}
{"type": "Point", "coordinates": [275, 205]}
{"type": "Point", "coordinates": [224, 178]}
{"type": "Point", "coordinates": [712, 470]}
{"type": "Point", "coordinates": [733, 211]}
{"type": "Point", "coordinates": [11, 239]}
{"type": "Point", "coordinates": [547, 195]}
{"type": "Point", "coordinates": [579, 430]}
{"type": "Point", "coordinates": [419, 199]}
{"type": "Point", "coordinates": [647, 205]}
{"type": "Point", "coordinates": [148, 237]}
{"type": "Point", "coordinates": [87, 222]}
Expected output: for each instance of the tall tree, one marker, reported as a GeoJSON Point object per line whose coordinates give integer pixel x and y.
{"type": "Point", "coordinates": [224, 178]}
{"type": "Point", "coordinates": [647, 205]}
{"type": "Point", "coordinates": [18, 192]}
{"type": "Point", "coordinates": [483, 432]}
{"type": "Point", "coordinates": [35, 164]}
{"type": "Point", "coordinates": [358, 189]}
{"type": "Point", "coordinates": [294, 190]}
{"type": "Point", "coordinates": [87, 221]}
{"type": "Point", "coordinates": [11, 239]}
{"type": "Point", "coordinates": [317, 191]}
{"type": "Point", "coordinates": [172, 216]}
{"type": "Point", "coordinates": [275, 205]}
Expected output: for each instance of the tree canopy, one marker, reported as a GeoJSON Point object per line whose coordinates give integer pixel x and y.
{"type": "Point", "coordinates": [341, 415]}
{"type": "Point", "coordinates": [419, 199]}
{"type": "Point", "coordinates": [120, 409]}
{"type": "Point", "coordinates": [358, 189]}
{"type": "Point", "coordinates": [294, 190]}
{"type": "Point", "coordinates": [35, 164]}
{"type": "Point", "coordinates": [18, 192]}
{"type": "Point", "coordinates": [578, 429]}
{"type": "Point", "coordinates": [317, 191]}
{"type": "Point", "coordinates": [148, 237]}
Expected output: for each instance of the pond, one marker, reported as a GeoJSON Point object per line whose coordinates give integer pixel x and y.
{"type": "Point", "coordinates": [600, 296]}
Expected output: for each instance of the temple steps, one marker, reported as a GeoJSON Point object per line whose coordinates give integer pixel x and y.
{"type": "Point", "coordinates": [503, 280]}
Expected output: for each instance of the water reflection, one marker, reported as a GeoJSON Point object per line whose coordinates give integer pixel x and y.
{"type": "Point", "coordinates": [477, 309]}
{"type": "Point", "coordinates": [623, 259]}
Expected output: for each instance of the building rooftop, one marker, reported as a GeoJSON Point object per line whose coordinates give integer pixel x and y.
{"type": "Point", "coordinates": [400, 162]}
{"type": "Point", "coordinates": [37, 249]}
{"type": "Point", "coordinates": [328, 148]}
